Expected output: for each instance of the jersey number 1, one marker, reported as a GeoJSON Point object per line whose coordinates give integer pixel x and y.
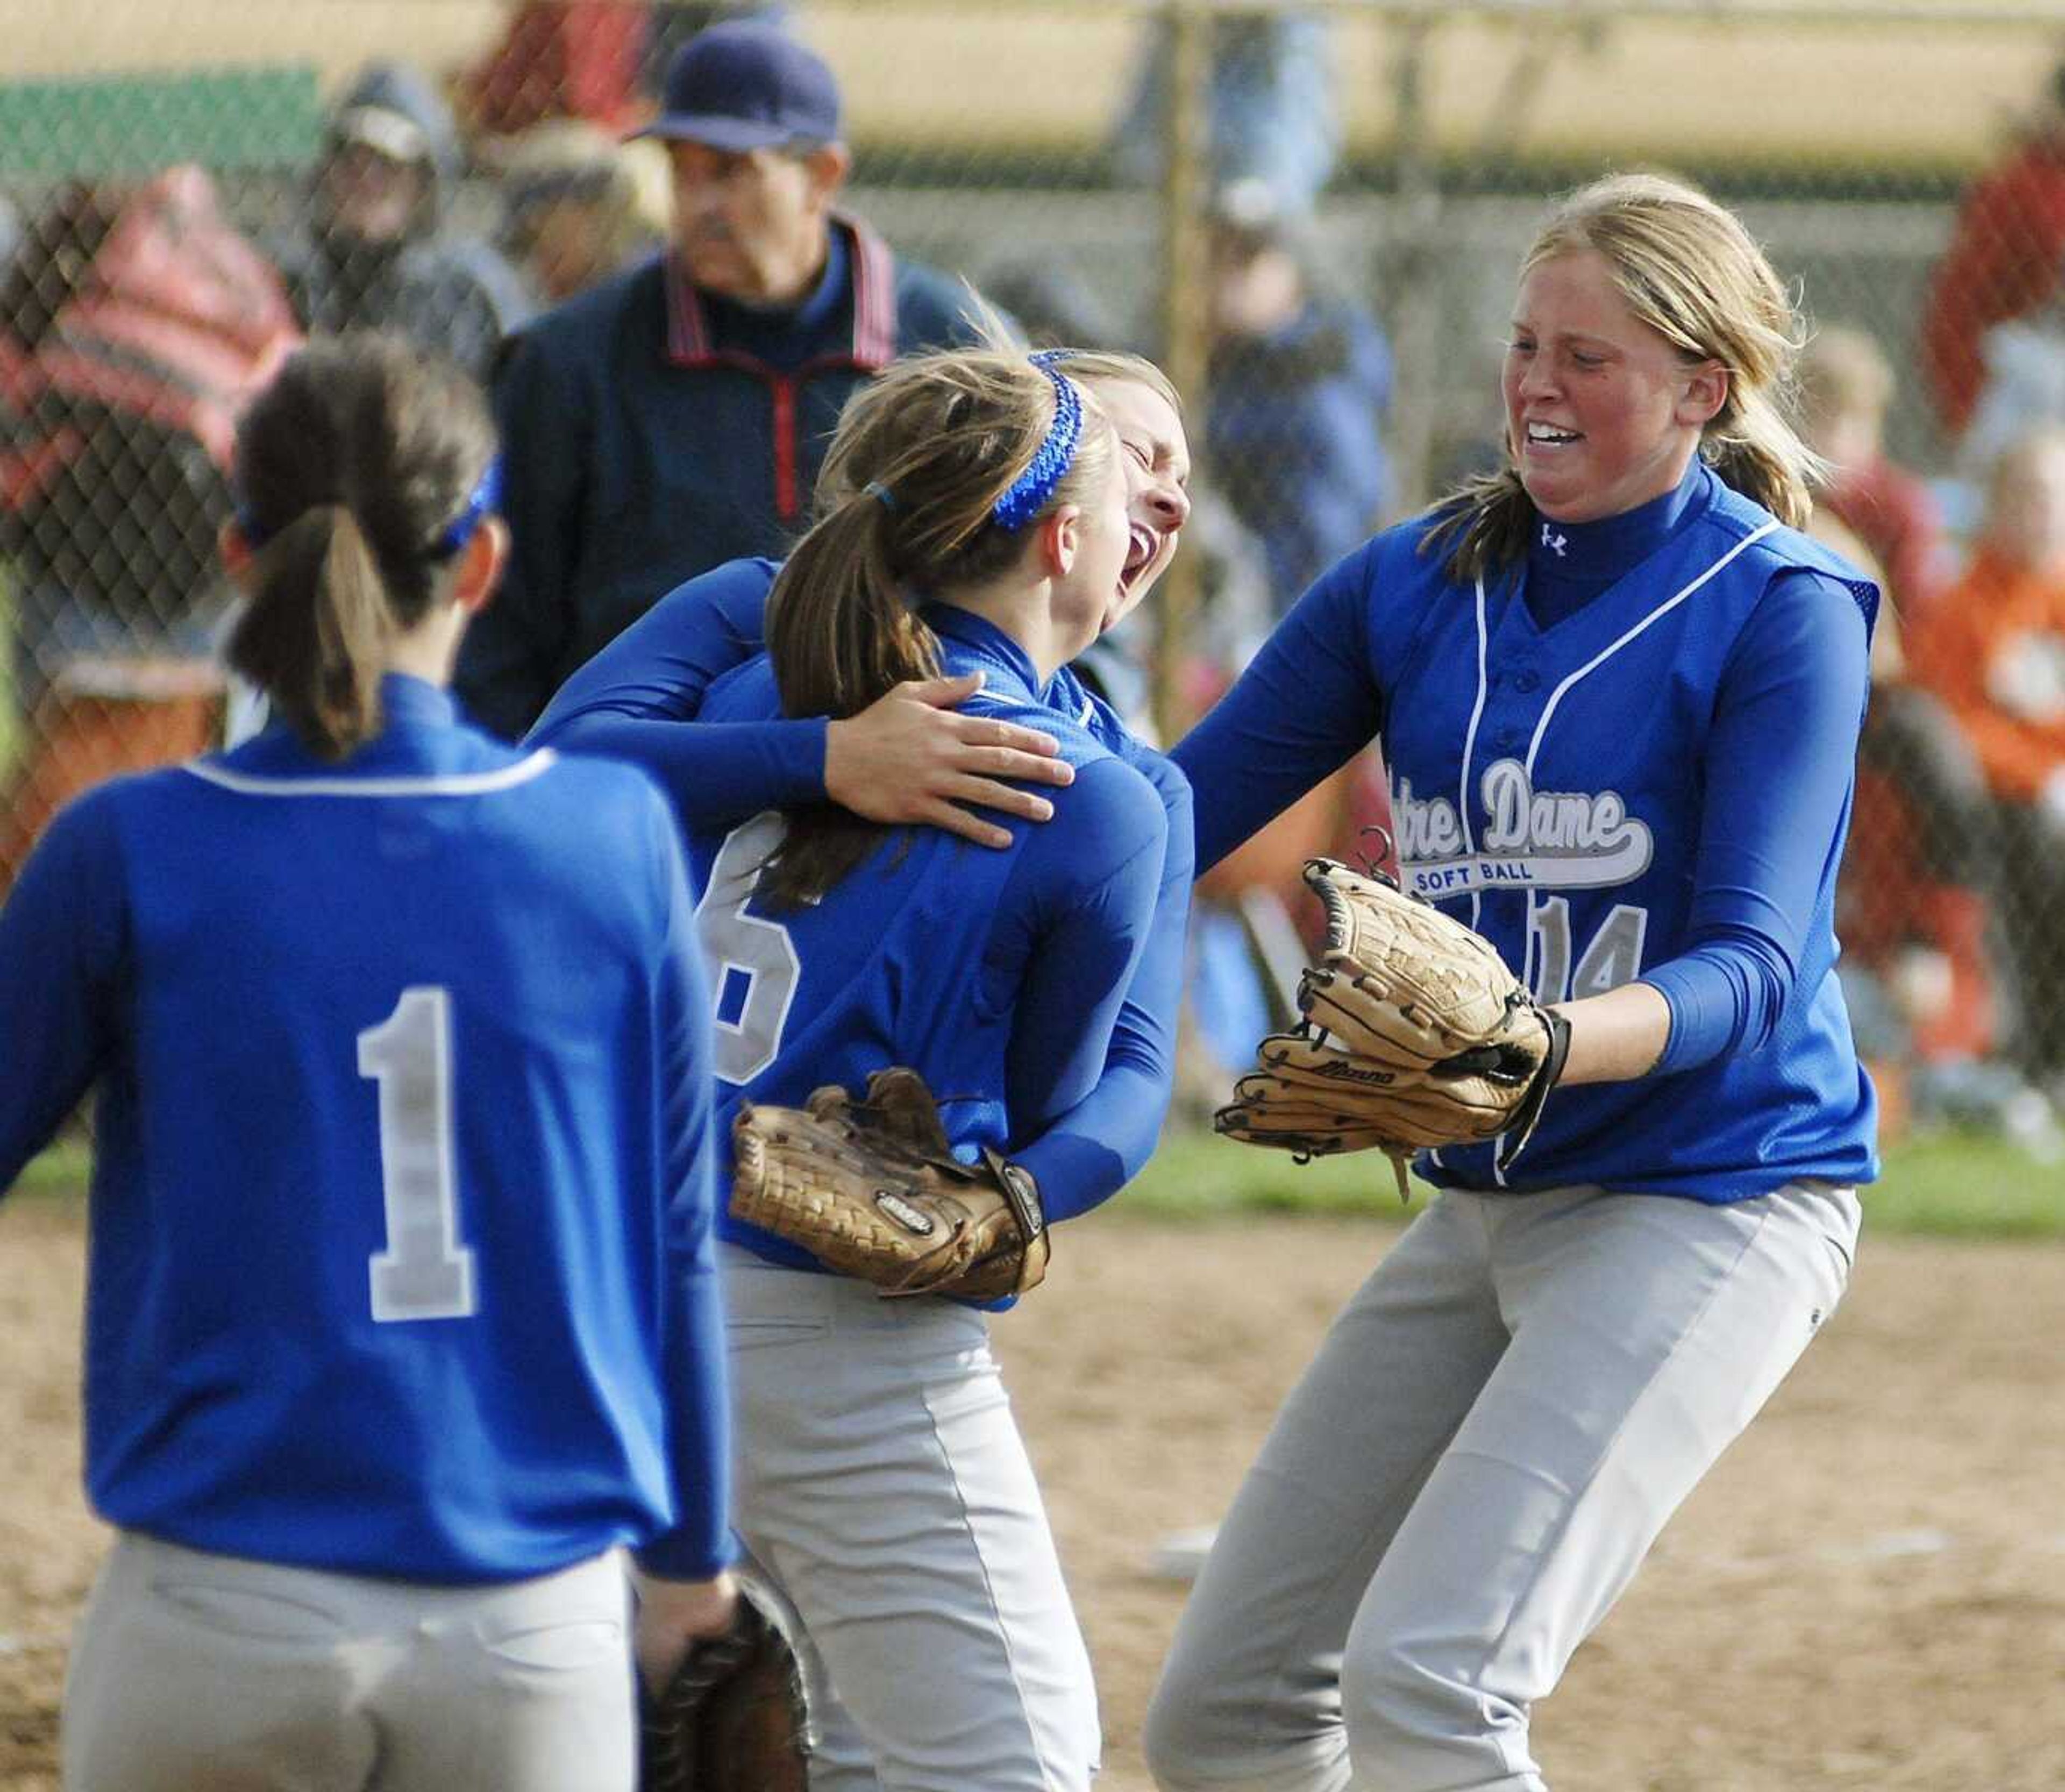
{"type": "Point", "coordinates": [425, 1272]}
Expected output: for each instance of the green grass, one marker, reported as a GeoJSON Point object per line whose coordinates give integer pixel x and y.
{"type": "Point", "coordinates": [61, 1169]}
{"type": "Point", "coordinates": [1956, 1185]}
{"type": "Point", "coordinates": [1966, 1185]}
{"type": "Point", "coordinates": [1948, 1184]}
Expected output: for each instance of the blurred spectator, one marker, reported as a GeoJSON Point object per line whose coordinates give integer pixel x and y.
{"type": "Point", "coordinates": [1994, 650]}
{"type": "Point", "coordinates": [373, 252]}
{"type": "Point", "coordinates": [1847, 388]}
{"type": "Point", "coordinates": [1271, 112]}
{"type": "Point", "coordinates": [2022, 386]}
{"type": "Point", "coordinates": [1920, 898]}
{"type": "Point", "coordinates": [141, 322]}
{"type": "Point", "coordinates": [561, 59]}
{"type": "Point", "coordinates": [2003, 261]}
{"type": "Point", "coordinates": [578, 206]}
{"type": "Point", "coordinates": [1300, 384]}
{"type": "Point", "coordinates": [675, 417]}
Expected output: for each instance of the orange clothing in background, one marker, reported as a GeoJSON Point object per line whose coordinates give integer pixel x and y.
{"type": "Point", "coordinates": [1958, 647]}
{"type": "Point", "coordinates": [2003, 262]}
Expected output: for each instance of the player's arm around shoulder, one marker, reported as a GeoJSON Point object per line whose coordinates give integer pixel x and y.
{"type": "Point", "coordinates": [934, 752]}
{"type": "Point", "coordinates": [664, 666]}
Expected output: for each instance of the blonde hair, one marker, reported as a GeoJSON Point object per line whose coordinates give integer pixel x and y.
{"type": "Point", "coordinates": [1116, 367]}
{"type": "Point", "coordinates": [1688, 269]}
{"type": "Point", "coordinates": [844, 474]}
{"type": "Point", "coordinates": [906, 505]}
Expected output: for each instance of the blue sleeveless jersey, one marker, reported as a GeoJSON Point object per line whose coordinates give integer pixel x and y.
{"type": "Point", "coordinates": [998, 975]}
{"type": "Point", "coordinates": [1551, 787]}
{"type": "Point", "coordinates": [401, 1205]}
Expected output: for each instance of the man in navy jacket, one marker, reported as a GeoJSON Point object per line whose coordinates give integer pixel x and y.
{"type": "Point", "coordinates": [674, 417]}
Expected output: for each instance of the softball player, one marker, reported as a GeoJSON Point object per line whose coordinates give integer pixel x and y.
{"type": "Point", "coordinates": [881, 1483]}
{"type": "Point", "coordinates": [909, 757]}
{"type": "Point", "coordinates": [403, 1307]}
{"type": "Point", "coordinates": [1619, 694]}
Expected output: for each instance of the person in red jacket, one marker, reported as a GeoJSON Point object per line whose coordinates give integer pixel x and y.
{"type": "Point", "coordinates": [1920, 886]}
{"type": "Point", "coordinates": [143, 321]}
{"type": "Point", "coordinates": [1994, 650]}
{"type": "Point", "coordinates": [2006, 249]}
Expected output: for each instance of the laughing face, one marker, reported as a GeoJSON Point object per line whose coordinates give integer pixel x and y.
{"type": "Point", "coordinates": [1157, 462]}
{"type": "Point", "coordinates": [1602, 413]}
{"type": "Point", "coordinates": [1088, 584]}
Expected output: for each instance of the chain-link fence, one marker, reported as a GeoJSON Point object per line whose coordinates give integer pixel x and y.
{"type": "Point", "coordinates": [1309, 213]}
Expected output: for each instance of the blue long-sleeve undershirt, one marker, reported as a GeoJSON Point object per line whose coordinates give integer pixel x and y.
{"type": "Point", "coordinates": [628, 700]}
{"type": "Point", "coordinates": [1778, 768]}
{"type": "Point", "coordinates": [1087, 1153]}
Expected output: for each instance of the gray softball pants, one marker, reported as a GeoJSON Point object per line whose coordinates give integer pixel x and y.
{"type": "Point", "coordinates": [1493, 1435]}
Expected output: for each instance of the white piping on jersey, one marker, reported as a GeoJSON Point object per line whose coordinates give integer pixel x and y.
{"type": "Point", "coordinates": [1541, 728]}
{"type": "Point", "coordinates": [1607, 652]}
{"type": "Point", "coordinates": [1470, 742]}
{"type": "Point", "coordinates": [1463, 778]}
{"type": "Point", "coordinates": [458, 784]}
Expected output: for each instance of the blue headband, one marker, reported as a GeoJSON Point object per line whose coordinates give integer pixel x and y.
{"type": "Point", "coordinates": [485, 498]}
{"type": "Point", "coordinates": [1031, 490]}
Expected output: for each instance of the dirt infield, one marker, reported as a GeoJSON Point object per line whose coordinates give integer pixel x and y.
{"type": "Point", "coordinates": [1869, 1592]}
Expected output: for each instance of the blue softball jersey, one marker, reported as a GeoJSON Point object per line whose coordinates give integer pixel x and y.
{"type": "Point", "coordinates": [1038, 986]}
{"type": "Point", "coordinates": [1632, 758]}
{"type": "Point", "coordinates": [401, 1257]}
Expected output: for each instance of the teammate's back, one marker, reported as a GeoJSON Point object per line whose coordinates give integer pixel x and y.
{"type": "Point", "coordinates": [388, 1060]}
{"type": "Point", "coordinates": [401, 1300]}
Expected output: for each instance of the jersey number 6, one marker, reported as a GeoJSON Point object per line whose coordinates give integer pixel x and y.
{"type": "Point", "coordinates": [737, 945]}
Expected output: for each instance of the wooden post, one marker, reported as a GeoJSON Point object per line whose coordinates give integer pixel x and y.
{"type": "Point", "coordinates": [1186, 196]}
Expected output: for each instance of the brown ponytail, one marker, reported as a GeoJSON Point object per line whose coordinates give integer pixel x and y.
{"type": "Point", "coordinates": [315, 633]}
{"type": "Point", "coordinates": [921, 456]}
{"type": "Point", "coordinates": [349, 466]}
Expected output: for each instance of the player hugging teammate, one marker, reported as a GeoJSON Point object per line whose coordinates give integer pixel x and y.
{"type": "Point", "coordinates": [1621, 693]}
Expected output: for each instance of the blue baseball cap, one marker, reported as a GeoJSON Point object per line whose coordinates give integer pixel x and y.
{"type": "Point", "coordinates": [746, 85]}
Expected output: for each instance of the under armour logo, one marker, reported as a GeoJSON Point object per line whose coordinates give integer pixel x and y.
{"type": "Point", "coordinates": [1550, 539]}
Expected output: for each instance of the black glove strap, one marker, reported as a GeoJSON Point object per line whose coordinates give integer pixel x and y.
{"type": "Point", "coordinates": [1022, 1192]}
{"type": "Point", "coordinates": [1528, 1115]}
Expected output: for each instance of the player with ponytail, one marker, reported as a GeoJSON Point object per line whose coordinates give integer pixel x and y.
{"type": "Point", "coordinates": [973, 519]}
{"type": "Point", "coordinates": [1618, 692]}
{"type": "Point", "coordinates": [403, 1315]}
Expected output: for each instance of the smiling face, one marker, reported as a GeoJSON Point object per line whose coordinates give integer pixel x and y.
{"type": "Point", "coordinates": [1602, 413]}
{"type": "Point", "coordinates": [1155, 459]}
{"type": "Point", "coordinates": [1091, 593]}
